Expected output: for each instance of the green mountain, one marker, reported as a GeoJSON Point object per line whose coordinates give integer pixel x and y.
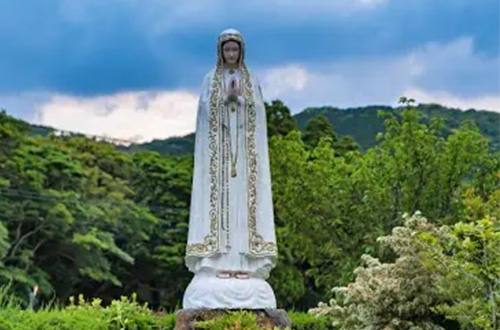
{"type": "Point", "coordinates": [177, 145]}
{"type": "Point", "coordinates": [361, 123]}
{"type": "Point", "coordinates": [41, 130]}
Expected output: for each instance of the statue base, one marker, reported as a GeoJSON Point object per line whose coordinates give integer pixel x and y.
{"type": "Point", "coordinates": [206, 291]}
{"type": "Point", "coordinates": [266, 318]}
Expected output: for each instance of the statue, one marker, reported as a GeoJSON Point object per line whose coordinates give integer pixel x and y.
{"type": "Point", "coordinates": [231, 243]}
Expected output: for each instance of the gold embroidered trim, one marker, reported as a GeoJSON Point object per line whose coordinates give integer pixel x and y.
{"type": "Point", "coordinates": [257, 245]}
{"type": "Point", "coordinates": [225, 143]}
{"type": "Point", "coordinates": [210, 245]}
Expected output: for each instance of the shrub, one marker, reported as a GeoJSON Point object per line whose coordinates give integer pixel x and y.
{"type": "Point", "coordinates": [397, 295]}
{"type": "Point", "coordinates": [304, 321]}
{"type": "Point", "coordinates": [439, 272]}
{"type": "Point", "coordinates": [123, 314]}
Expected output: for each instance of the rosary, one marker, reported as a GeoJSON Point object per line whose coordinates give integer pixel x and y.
{"type": "Point", "coordinates": [232, 103]}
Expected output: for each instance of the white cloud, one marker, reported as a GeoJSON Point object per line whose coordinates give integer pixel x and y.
{"type": "Point", "coordinates": [425, 73]}
{"type": "Point", "coordinates": [285, 79]}
{"type": "Point", "coordinates": [487, 102]}
{"type": "Point", "coordinates": [140, 116]}
{"type": "Point", "coordinates": [422, 74]}
{"type": "Point", "coordinates": [340, 84]}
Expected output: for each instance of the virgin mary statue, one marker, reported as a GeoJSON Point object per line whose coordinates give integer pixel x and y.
{"type": "Point", "coordinates": [231, 243]}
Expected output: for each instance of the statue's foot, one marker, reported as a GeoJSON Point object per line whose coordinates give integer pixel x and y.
{"type": "Point", "coordinates": [242, 275]}
{"type": "Point", "coordinates": [224, 274]}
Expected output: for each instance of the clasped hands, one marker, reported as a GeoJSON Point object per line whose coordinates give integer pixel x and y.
{"type": "Point", "coordinates": [234, 94]}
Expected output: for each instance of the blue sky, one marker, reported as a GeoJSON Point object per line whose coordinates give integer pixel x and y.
{"type": "Point", "coordinates": [132, 69]}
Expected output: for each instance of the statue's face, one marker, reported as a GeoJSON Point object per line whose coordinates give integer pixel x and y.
{"type": "Point", "coordinates": [231, 52]}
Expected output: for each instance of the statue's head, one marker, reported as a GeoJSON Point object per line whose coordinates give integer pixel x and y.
{"type": "Point", "coordinates": [231, 52]}
{"type": "Point", "coordinates": [230, 47]}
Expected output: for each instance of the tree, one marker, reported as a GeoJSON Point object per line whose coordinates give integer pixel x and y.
{"type": "Point", "coordinates": [439, 272]}
{"type": "Point", "coordinates": [424, 171]}
{"type": "Point", "coordinates": [399, 295]}
{"type": "Point", "coordinates": [164, 185]}
{"type": "Point", "coordinates": [70, 216]}
{"type": "Point", "coordinates": [345, 144]}
{"type": "Point", "coordinates": [81, 216]}
{"type": "Point", "coordinates": [468, 269]}
{"type": "Point", "coordinates": [279, 120]}
{"type": "Point", "coordinates": [12, 132]}
{"type": "Point", "coordinates": [329, 210]}
{"type": "Point", "coordinates": [317, 128]}
{"type": "Point", "coordinates": [318, 235]}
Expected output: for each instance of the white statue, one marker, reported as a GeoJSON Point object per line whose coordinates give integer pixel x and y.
{"type": "Point", "coordinates": [231, 242]}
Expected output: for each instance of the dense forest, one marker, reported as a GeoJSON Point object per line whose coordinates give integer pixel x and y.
{"type": "Point", "coordinates": [350, 188]}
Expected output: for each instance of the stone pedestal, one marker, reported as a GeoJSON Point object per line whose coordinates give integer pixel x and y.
{"type": "Point", "coordinates": [266, 318]}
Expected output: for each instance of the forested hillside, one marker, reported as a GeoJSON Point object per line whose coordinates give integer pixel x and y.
{"type": "Point", "coordinates": [362, 124]}
{"type": "Point", "coordinates": [81, 216]}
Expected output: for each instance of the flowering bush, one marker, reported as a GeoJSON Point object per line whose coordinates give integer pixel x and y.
{"type": "Point", "coordinates": [439, 272]}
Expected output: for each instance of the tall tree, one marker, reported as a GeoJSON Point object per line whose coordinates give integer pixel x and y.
{"type": "Point", "coordinates": [345, 144]}
{"type": "Point", "coordinates": [317, 128]}
{"type": "Point", "coordinates": [279, 120]}
{"type": "Point", "coordinates": [164, 185]}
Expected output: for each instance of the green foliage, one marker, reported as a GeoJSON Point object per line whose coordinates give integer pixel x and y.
{"type": "Point", "coordinates": [279, 120]}
{"type": "Point", "coordinates": [362, 124]}
{"type": "Point", "coordinates": [70, 217]}
{"type": "Point", "coordinates": [330, 207]}
{"type": "Point", "coordinates": [11, 134]}
{"type": "Point", "coordinates": [466, 260]}
{"type": "Point", "coordinates": [78, 215]}
{"type": "Point", "coordinates": [305, 321]}
{"type": "Point", "coordinates": [241, 320]}
{"type": "Point", "coordinates": [164, 185]}
{"type": "Point", "coordinates": [4, 243]}
{"type": "Point", "coordinates": [397, 295]}
{"type": "Point", "coordinates": [477, 206]}
{"type": "Point", "coordinates": [173, 146]}
{"type": "Point", "coordinates": [73, 213]}
{"type": "Point", "coordinates": [426, 172]}
{"type": "Point", "coordinates": [314, 230]}
{"type": "Point", "coordinates": [316, 129]}
{"type": "Point", "coordinates": [439, 271]}
{"type": "Point", "coordinates": [246, 320]}
{"type": "Point", "coordinates": [345, 145]}
{"type": "Point", "coordinates": [123, 314]}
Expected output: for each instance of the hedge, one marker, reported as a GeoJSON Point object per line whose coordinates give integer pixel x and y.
{"type": "Point", "coordinates": [127, 314]}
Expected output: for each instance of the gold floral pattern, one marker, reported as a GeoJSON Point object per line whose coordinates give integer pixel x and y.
{"type": "Point", "coordinates": [218, 184]}
{"type": "Point", "coordinates": [257, 245]}
{"type": "Point", "coordinates": [210, 243]}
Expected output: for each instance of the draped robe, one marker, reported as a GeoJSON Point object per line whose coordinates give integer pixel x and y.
{"type": "Point", "coordinates": [231, 225]}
